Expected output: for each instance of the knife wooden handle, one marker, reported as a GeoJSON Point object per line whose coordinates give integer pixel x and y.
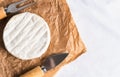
{"type": "Point", "coordinates": [2, 13]}
{"type": "Point", "coordinates": [36, 72]}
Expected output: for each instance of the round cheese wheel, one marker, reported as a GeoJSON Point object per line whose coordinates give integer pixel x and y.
{"type": "Point", "coordinates": [26, 36]}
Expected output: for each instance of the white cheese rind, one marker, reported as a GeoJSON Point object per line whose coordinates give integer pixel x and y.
{"type": "Point", "coordinates": [26, 36]}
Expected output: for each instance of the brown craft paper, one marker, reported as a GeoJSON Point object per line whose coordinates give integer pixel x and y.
{"type": "Point", "coordinates": [64, 38]}
{"type": "Point", "coordinates": [1, 1]}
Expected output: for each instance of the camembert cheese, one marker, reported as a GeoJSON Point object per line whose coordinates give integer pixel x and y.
{"type": "Point", "coordinates": [26, 36]}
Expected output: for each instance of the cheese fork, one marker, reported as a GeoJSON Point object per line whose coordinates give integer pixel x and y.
{"type": "Point", "coordinates": [12, 8]}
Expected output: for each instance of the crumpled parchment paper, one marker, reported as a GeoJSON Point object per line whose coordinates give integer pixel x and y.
{"type": "Point", "coordinates": [64, 38]}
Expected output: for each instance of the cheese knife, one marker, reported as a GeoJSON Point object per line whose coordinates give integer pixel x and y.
{"type": "Point", "coordinates": [49, 63]}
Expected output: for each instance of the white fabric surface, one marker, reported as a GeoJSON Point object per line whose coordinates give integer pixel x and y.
{"type": "Point", "coordinates": [98, 22]}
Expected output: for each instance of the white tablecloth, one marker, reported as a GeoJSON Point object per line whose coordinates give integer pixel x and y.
{"type": "Point", "coordinates": [98, 22]}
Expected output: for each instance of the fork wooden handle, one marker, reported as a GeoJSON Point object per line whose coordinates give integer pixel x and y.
{"type": "Point", "coordinates": [36, 72]}
{"type": "Point", "coordinates": [2, 13]}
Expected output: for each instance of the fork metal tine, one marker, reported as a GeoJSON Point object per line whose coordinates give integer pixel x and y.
{"type": "Point", "coordinates": [21, 1]}
{"type": "Point", "coordinates": [25, 6]}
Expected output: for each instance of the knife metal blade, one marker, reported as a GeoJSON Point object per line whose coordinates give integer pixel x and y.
{"type": "Point", "coordinates": [52, 61]}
